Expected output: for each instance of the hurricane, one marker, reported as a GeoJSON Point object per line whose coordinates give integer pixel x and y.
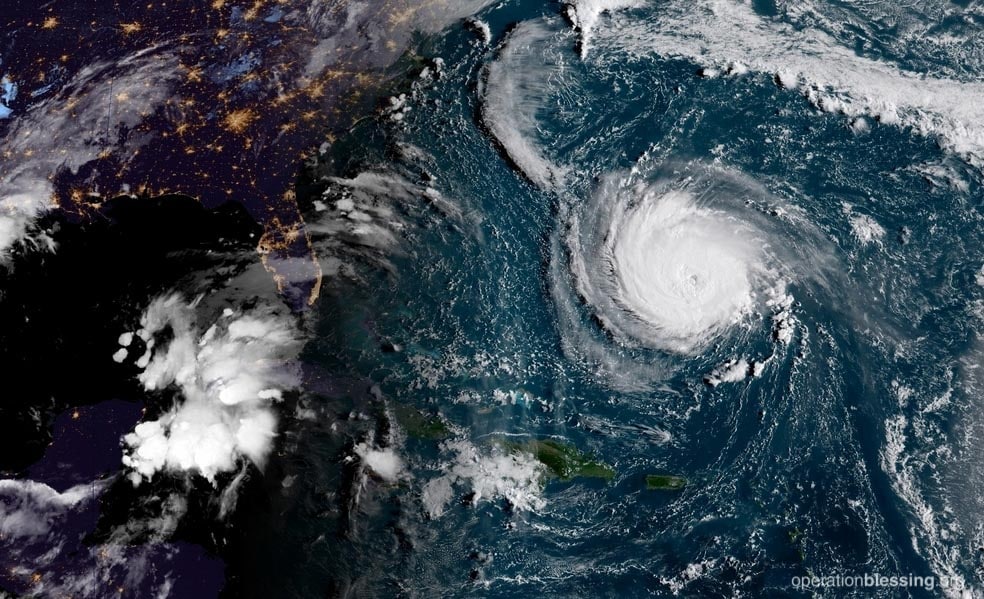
{"type": "Point", "coordinates": [667, 264]}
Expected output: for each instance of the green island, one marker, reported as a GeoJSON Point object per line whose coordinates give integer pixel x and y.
{"type": "Point", "coordinates": [562, 460]}
{"type": "Point", "coordinates": [665, 482]}
{"type": "Point", "coordinates": [419, 425]}
{"type": "Point", "coordinates": [796, 538]}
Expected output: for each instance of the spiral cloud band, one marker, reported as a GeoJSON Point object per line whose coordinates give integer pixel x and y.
{"type": "Point", "coordinates": [670, 264]}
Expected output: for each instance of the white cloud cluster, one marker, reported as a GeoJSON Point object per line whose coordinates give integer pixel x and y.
{"type": "Point", "coordinates": [384, 462]}
{"type": "Point", "coordinates": [229, 376]}
{"type": "Point", "coordinates": [364, 219]}
{"type": "Point", "coordinates": [514, 476]}
{"type": "Point", "coordinates": [732, 371]}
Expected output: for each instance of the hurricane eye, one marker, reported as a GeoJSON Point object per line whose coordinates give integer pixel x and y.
{"type": "Point", "coordinates": [678, 272]}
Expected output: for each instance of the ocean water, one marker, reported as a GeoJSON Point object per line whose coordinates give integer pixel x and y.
{"type": "Point", "coordinates": [735, 243]}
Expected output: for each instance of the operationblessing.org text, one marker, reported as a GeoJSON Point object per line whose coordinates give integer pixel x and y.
{"type": "Point", "coordinates": [874, 581]}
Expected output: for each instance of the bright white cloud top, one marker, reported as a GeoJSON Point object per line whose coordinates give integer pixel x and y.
{"type": "Point", "coordinates": [669, 263]}
{"type": "Point", "coordinates": [227, 378]}
{"type": "Point", "coordinates": [682, 268]}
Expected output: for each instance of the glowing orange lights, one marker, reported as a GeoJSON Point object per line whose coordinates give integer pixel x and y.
{"type": "Point", "coordinates": [238, 121]}
{"type": "Point", "coordinates": [131, 28]}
